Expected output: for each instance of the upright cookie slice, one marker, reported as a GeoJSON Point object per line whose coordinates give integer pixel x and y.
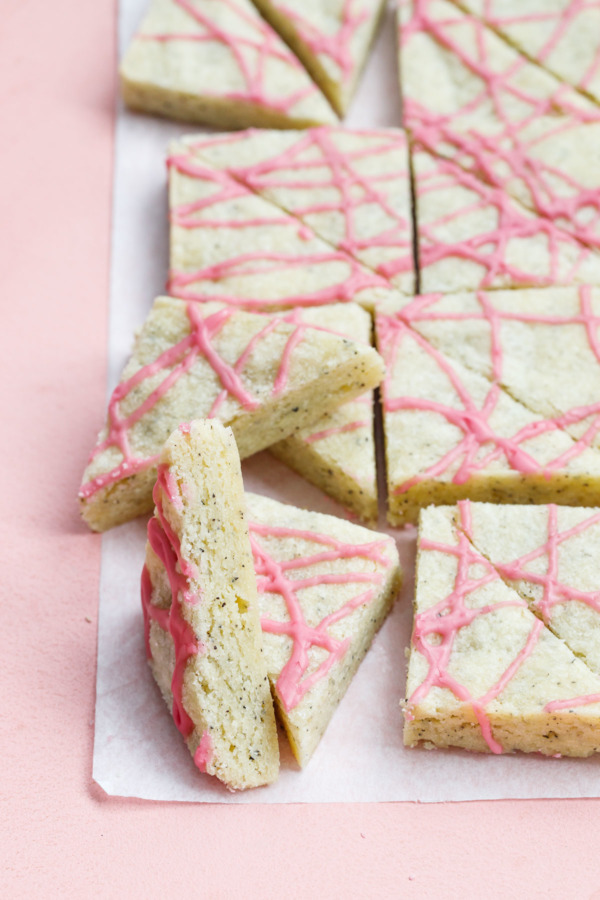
{"type": "Point", "coordinates": [263, 376]}
{"type": "Point", "coordinates": [332, 39]}
{"type": "Point", "coordinates": [337, 453]}
{"type": "Point", "coordinates": [350, 187]}
{"type": "Point", "coordinates": [200, 606]}
{"type": "Point", "coordinates": [217, 62]}
{"type": "Point", "coordinates": [473, 235]}
{"type": "Point", "coordinates": [469, 96]}
{"type": "Point", "coordinates": [485, 673]}
{"type": "Point", "coordinates": [230, 245]}
{"type": "Point", "coordinates": [452, 433]}
{"type": "Point", "coordinates": [325, 587]}
{"type": "Point", "coordinates": [562, 35]}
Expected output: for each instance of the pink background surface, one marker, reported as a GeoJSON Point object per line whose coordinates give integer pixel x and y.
{"type": "Point", "coordinates": [60, 834]}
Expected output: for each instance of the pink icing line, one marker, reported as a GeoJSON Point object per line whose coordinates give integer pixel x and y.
{"type": "Point", "coordinates": [471, 420]}
{"type": "Point", "coordinates": [551, 191]}
{"type": "Point", "coordinates": [181, 357]}
{"type": "Point", "coordinates": [273, 577]}
{"type": "Point", "coordinates": [561, 18]}
{"type": "Point", "coordinates": [249, 52]}
{"type": "Point", "coordinates": [317, 149]}
{"type": "Point", "coordinates": [445, 619]}
{"type": "Point", "coordinates": [555, 592]}
{"type": "Point", "coordinates": [490, 249]}
{"type": "Point", "coordinates": [204, 752]}
{"type": "Point", "coordinates": [337, 45]}
{"type": "Point", "coordinates": [340, 429]}
{"type": "Point", "coordinates": [584, 700]}
{"type": "Point", "coordinates": [166, 546]}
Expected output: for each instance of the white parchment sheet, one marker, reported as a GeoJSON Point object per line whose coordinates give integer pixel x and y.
{"type": "Point", "coordinates": [137, 750]}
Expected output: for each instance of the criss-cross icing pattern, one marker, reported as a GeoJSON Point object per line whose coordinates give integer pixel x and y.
{"type": "Point", "coordinates": [500, 116]}
{"type": "Point", "coordinates": [248, 265]}
{"type": "Point", "coordinates": [478, 444]}
{"type": "Point", "coordinates": [547, 32]}
{"type": "Point", "coordinates": [472, 235]}
{"type": "Point", "coordinates": [350, 187]}
{"type": "Point", "coordinates": [285, 574]}
{"type": "Point", "coordinates": [251, 44]}
{"type": "Point", "coordinates": [172, 364]}
{"type": "Point", "coordinates": [436, 628]}
{"type": "Point", "coordinates": [334, 48]}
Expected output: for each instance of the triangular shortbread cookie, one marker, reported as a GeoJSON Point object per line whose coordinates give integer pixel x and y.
{"type": "Point", "coordinates": [549, 555]}
{"type": "Point", "coordinates": [562, 35]}
{"type": "Point", "coordinates": [452, 433]}
{"type": "Point", "coordinates": [264, 377]}
{"type": "Point", "coordinates": [229, 244]}
{"type": "Point", "coordinates": [473, 235]}
{"type": "Point", "coordinates": [325, 586]}
{"type": "Point", "coordinates": [332, 39]}
{"type": "Point", "coordinates": [484, 672]}
{"type": "Point", "coordinates": [218, 62]}
{"type": "Point", "coordinates": [200, 605]}
{"type": "Point", "coordinates": [351, 188]}
{"type": "Point", "coordinates": [541, 345]}
{"type": "Point", "coordinates": [337, 453]}
{"type": "Point", "coordinates": [470, 96]}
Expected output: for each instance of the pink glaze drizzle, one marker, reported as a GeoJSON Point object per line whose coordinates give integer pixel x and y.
{"type": "Point", "coordinates": [435, 629]}
{"type": "Point", "coordinates": [490, 250]}
{"type": "Point", "coordinates": [314, 161]}
{"type": "Point", "coordinates": [273, 577]}
{"type": "Point", "coordinates": [250, 51]}
{"type": "Point", "coordinates": [176, 361]}
{"type": "Point", "coordinates": [204, 752]}
{"type": "Point", "coordinates": [505, 154]}
{"type": "Point", "coordinates": [166, 546]}
{"type": "Point", "coordinates": [473, 421]}
{"type": "Point", "coordinates": [207, 212]}
{"type": "Point", "coordinates": [335, 46]}
{"type": "Point", "coordinates": [561, 19]}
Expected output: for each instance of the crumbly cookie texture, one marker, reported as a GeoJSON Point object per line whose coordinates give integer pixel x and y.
{"type": "Point", "coordinates": [352, 188]}
{"type": "Point", "coordinates": [473, 235]}
{"type": "Point", "coordinates": [484, 672]}
{"type": "Point", "coordinates": [470, 96]}
{"type": "Point", "coordinates": [549, 555]}
{"type": "Point", "coordinates": [200, 605]}
{"type": "Point", "coordinates": [562, 36]}
{"type": "Point", "coordinates": [265, 377]}
{"type": "Point", "coordinates": [337, 453]}
{"type": "Point", "coordinates": [332, 39]}
{"type": "Point", "coordinates": [231, 245]}
{"type": "Point", "coordinates": [452, 433]}
{"type": "Point", "coordinates": [217, 62]}
{"type": "Point", "coordinates": [325, 586]}
{"type": "Point", "coordinates": [540, 345]}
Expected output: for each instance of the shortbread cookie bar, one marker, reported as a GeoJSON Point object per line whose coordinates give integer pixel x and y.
{"type": "Point", "coordinates": [484, 672]}
{"type": "Point", "coordinates": [337, 453]}
{"type": "Point", "coordinates": [332, 39]}
{"type": "Point", "coordinates": [264, 377]}
{"type": "Point", "coordinates": [540, 345]}
{"type": "Point", "coordinates": [200, 605]}
{"type": "Point", "coordinates": [451, 433]}
{"type": "Point", "coordinates": [473, 235]}
{"type": "Point", "coordinates": [325, 586]}
{"type": "Point", "coordinates": [468, 95]}
{"type": "Point", "coordinates": [230, 245]}
{"type": "Point", "coordinates": [562, 36]}
{"type": "Point", "coordinates": [352, 188]}
{"type": "Point", "coordinates": [217, 62]}
{"type": "Point", "coordinates": [549, 555]}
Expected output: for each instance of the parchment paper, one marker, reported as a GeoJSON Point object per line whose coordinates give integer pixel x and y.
{"type": "Point", "coordinates": [137, 750]}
